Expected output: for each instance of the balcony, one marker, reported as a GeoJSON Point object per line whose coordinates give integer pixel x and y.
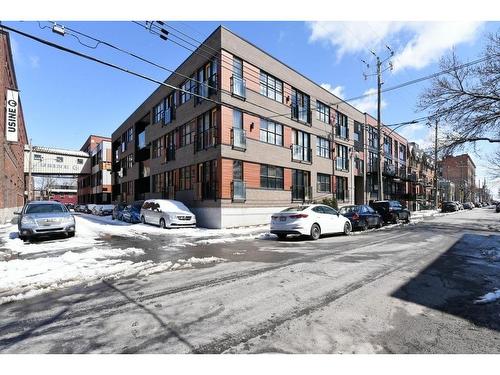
{"type": "Point", "coordinates": [206, 139]}
{"type": "Point", "coordinates": [390, 169]}
{"type": "Point", "coordinates": [301, 154]}
{"type": "Point", "coordinates": [238, 87]}
{"type": "Point", "coordinates": [238, 139]}
{"type": "Point", "coordinates": [238, 191]}
{"type": "Point", "coordinates": [302, 114]}
{"type": "Point", "coordinates": [301, 193]}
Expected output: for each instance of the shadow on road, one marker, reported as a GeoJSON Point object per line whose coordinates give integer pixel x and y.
{"type": "Point", "coordinates": [457, 278]}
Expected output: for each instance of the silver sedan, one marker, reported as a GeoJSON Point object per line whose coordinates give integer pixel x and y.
{"type": "Point", "coordinates": [39, 218]}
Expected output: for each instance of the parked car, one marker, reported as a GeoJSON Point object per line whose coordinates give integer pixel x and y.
{"type": "Point", "coordinates": [105, 209]}
{"type": "Point", "coordinates": [89, 208]}
{"type": "Point", "coordinates": [117, 213]}
{"type": "Point", "coordinates": [468, 206]}
{"type": "Point", "coordinates": [167, 213]}
{"type": "Point", "coordinates": [362, 216]}
{"type": "Point", "coordinates": [460, 205]}
{"type": "Point", "coordinates": [391, 211]}
{"type": "Point", "coordinates": [497, 209]}
{"type": "Point", "coordinates": [95, 209]}
{"type": "Point", "coordinates": [132, 213]}
{"type": "Point", "coordinates": [310, 220]}
{"type": "Point", "coordinates": [42, 218]}
{"type": "Point", "coordinates": [70, 206]}
{"type": "Point", "coordinates": [449, 207]}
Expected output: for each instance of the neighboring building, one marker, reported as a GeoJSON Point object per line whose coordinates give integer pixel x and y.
{"type": "Point", "coordinates": [421, 171]}
{"type": "Point", "coordinates": [446, 191]}
{"type": "Point", "coordinates": [263, 137]}
{"type": "Point", "coordinates": [13, 136]}
{"type": "Point", "coordinates": [96, 186]}
{"type": "Point", "coordinates": [460, 170]}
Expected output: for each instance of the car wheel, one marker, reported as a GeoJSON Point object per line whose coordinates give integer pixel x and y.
{"type": "Point", "coordinates": [363, 225]}
{"type": "Point", "coordinates": [315, 231]}
{"type": "Point", "coordinates": [407, 221]}
{"type": "Point", "coordinates": [71, 234]}
{"type": "Point", "coordinates": [162, 224]}
{"type": "Point", "coordinates": [143, 220]}
{"type": "Point", "coordinates": [347, 228]}
{"type": "Point", "coordinates": [282, 236]}
{"type": "Point", "coordinates": [22, 238]}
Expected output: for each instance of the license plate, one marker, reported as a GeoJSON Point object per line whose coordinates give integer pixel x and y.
{"type": "Point", "coordinates": [283, 218]}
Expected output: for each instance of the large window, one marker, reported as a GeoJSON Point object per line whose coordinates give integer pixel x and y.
{"type": "Point", "coordinates": [301, 146]}
{"type": "Point", "coordinates": [271, 87]}
{"type": "Point", "coordinates": [342, 128]}
{"type": "Point", "coordinates": [372, 162]}
{"type": "Point", "coordinates": [372, 137]}
{"type": "Point", "coordinates": [158, 181]}
{"type": "Point", "coordinates": [207, 78]}
{"type": "Point", "coordinates": [189, 85]}
{"type": "Point", "coordinates": [358, 132]}
{"type": "Point", "coordinates": [270, 132]}
{"type": "Point", "coordinates": [158, 112]}
{"type": "Point", "coordinates": [206, 126]}
{"type": "Point", "coordinates": [342, 158]}
{"type": "Point", "coordinates": [157, 147]}
{"type": "Point", "coordinates": [301, 106]}
{"type": "Point", "coordinates": [323, 147]}
{"type": "Point", "coordinates": [187, 134]}
{"type": "Point", "coordinates": [271, 177]}
{"type": "Point", "coordinates": [388, 146]}
{"type": "Point", "coordinates": [323, 183]}
{"type": "Point", "coordinates": [322, 112]}
{"type": "Point", "coordinates": [341, 188]}
{"type": "Point", "coordinates": [402, 153]}
{"type": "Point", "coordinates": [185, 178]}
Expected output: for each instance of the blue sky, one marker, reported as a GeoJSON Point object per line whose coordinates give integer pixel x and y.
{"type": "Point", "coordinates": [66, 98]}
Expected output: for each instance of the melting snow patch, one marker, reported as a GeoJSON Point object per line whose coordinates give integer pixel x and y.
{"type": "Point", "coordinates": [206, 260]}
{"type": "Point", "coordinates": [488, 297]}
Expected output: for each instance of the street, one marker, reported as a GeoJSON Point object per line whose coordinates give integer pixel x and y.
{"type": "Point", "coordinates": [402, 289]}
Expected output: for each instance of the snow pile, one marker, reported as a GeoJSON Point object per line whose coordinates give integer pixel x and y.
{"type": "Point", "coordinates": [488, 297]}
{"type": "Point", "coordinates": [206, 260]}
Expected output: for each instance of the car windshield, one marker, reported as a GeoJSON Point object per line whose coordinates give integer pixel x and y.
{"type": "Point", "coordinates": [349, 209]}
{"type": "Point", "coordinates": [298, 208]}
{"type": "Point", "coordinates": [45, 208]}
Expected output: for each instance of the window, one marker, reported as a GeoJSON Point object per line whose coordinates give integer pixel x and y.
{"type": "Point", "coordinates": [237, 119]}
{"type": "Point", "coordinates": [141, 140]}
{"type": "Point", "coordinates": [158, 112]}
{"type": "Point", "coordinates": [358, 132]}
{"type": "Point", "coordinates": [342, 158]}
{"type": "Point", "coordinates": [79, 161]}
{"type": "Point", "coordinates": [206, 130]}
{"type": "Point", "coordinates": [271, 87]}
{"type": "Point", "coordinates": [270, 132]}
{"type": "Point", "coordinates": [207, 78]}
{"type": "Point", "coordinates": [342, 128]}
{"type": "Point", "coordinates": [359, 164]}
{"type": "Point", "coordinates": [129, 161]}
{"type": "Point", "coordinates": [323, 147]}
{"type": "Point", "coordinates": [158, 181]}
{"type": "Point", "coordinates": [237, 67]}
{"type": "Point", "coordinates": [322, 112]}
{"type": "Point", "coordinates": [185, 178]}
{"type": "Point", "coordinates": [271, 177]}
{"type": "Point", "coordinates": [323, 183]}
{"type": "Point", "coordinates": [301, 110]}
{"type": "Point", "coordinates": [372, 137]}
{"type": "Point", "coordinates": [59, 159]}
{"type": "Point", "coordinates": [37, 157]}
{"type": "Point", "coordinates": [189, 86]}
{"type": "Point", "coordinates": [301, 144]}
{"type": "Point", "coordinates": [402, 153]}
{"type": "Point", "coordinates": [169, 114]}
{"type": "Point", "coordinates": [372, 162]}
{"type": "Point", "coordinates": [157, 147]}
{"type": "Point", "coordinates": [388, 146]}
{"type": "Point", "coordinates": [187, 134]}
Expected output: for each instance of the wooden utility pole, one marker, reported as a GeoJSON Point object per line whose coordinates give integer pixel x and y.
{"type": "Point", "coordinates": [436, 166]}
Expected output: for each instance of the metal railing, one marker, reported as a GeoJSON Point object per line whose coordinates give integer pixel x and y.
{"type": "Point", "coordinates": [238, 138]}
{"type": "Point", "coordinates": [301, 193]}
{"type": "Point", "coordinates": [238, 87]}
{"type": "Point", "coordinates": [301, 153]}
{"type": "Point", "coordinates": [238, 190]}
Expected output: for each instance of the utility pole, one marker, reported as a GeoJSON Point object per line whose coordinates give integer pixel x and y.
{"type": "Point", "coordinates": [435, 166]}
{"type": "Point", "coordinates": [379, 72]}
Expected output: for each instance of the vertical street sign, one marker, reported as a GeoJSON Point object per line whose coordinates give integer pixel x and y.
{"type": "Point", "coordinates": [11, 116]}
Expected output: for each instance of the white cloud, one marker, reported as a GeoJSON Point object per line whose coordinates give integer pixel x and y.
{"type": "Point", "coordinates": [368, 104]}
{"type": "Point", "coordinates": [424, 42]}
{"type": "Point", "coordinates": [338, 91]}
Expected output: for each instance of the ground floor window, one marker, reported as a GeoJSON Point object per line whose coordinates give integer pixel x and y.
{"type": "Point", "coordinates": [271, 177]}
{"type": "Point", "coordinates": [323, 183]}
{"type": "Point", "coordinates": [341, 188]}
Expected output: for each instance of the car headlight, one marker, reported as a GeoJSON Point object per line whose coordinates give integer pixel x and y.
{"type": "Point", "coordinates": [69, 220]}
{"type": "Point", "coordinates": [26, 220]}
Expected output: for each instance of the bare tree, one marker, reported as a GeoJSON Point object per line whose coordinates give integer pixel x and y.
{"type": "Point", "coordinates": [494, 164]}
{"type": "Point", "coordinates": [467, 99]}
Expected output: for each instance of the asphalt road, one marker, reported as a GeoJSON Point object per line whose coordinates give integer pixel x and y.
{"type": "Point", "coordinates": [408, 289]}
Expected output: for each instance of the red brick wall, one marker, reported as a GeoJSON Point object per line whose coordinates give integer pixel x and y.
{"type": "Point", "coordinates": [226, 125]}
{"type": "Point", "coordinates": [287, 179]}
{"type": "Point", "coordinates": [251, 174]}
{"type": "Point", "coordinates": [226, 169]}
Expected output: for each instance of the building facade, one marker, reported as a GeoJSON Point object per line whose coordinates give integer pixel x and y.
{"type": "Point", "coordinates": [13, 136]}
{"type": "Point", "coordinates": [460, 170]}
{"type": "Point", "coordinates": [261, 137]}
{"type": "Point", "coordinates": [95, 187]}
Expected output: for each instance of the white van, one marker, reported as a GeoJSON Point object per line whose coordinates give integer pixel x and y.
{"type": "Point", "coordinates": [167, 213]}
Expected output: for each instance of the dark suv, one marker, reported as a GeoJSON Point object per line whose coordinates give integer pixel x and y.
{"type": "Point", "coordinates": [391, 211]}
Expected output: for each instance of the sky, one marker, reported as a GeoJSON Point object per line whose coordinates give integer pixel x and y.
{"type": "Point", "coordinates": [66, 98]}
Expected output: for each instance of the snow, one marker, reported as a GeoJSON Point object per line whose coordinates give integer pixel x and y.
{"type": "Point", "coordinates": [488, 297]}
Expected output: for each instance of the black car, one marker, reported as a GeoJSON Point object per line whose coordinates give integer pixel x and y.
{"type": "Point", "coordinates": [362, 216]}
{"type": "Point", "coordinates": [391, 211]}
{"type": "Point", "coordinates": [118, 211]}
{"type": "Point", "coordinates": [497, 209]}
{"type": "Point", "coordinates": [449, 207]}
{"type": "Point", "coordinates": [468, 206]}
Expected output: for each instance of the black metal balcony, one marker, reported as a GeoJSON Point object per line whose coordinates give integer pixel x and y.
{"type": "Point", "coordinates": [238, 139]}
{"type": "Point", "coordinates": [238, 87]}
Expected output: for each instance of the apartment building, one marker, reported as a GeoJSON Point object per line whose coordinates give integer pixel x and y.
{"type": "Point", "coordinates": [13, 136]}
{"type": "Point", "coordinates": [95, 187]}
{"type": "Point", "coordinates": [460, 170]}
{"type": "Point", "coordinates": [261, 137]}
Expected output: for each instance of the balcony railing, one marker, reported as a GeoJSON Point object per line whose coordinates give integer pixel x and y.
{"type": "Point", "coordinates": [301, 153]}
{"type": "Point", "coordinates": [390, 169]}
{"type": "Point", "coordinates": [206, 139]}
{"type": "Point", "coordinates": [238, 191]}
{"type": "Point", "coordinates": [168, 115]}
{"type": "Point", "coordinates": [301, 193]}
{"type": "Point", "coordinates": [302, 114]}
{"type": "Point", "coordinates": [238, 87]}
{"type": "Point", "coordinates": [238, 138]}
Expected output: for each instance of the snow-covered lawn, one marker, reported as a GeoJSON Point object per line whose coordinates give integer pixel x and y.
{"type": "Point", "coordinates": [30, 269]}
